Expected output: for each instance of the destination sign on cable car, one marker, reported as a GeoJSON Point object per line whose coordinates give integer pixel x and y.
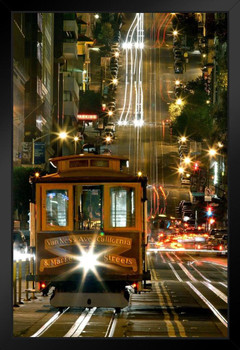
{"type": "Point", "coordinates": [89, 117]}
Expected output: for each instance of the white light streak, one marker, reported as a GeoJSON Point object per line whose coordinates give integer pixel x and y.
{"type": "Point", "coordinates": [133, 78]}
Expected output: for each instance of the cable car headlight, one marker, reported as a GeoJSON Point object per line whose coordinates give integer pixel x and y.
{"type": "Point", "coordinates": [88, 260]}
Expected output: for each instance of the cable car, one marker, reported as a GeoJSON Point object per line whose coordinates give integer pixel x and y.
{"type": "Point", "coordinates": [88, 225]}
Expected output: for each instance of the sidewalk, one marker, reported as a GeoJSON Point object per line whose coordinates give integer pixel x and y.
{"type": "Point", "coordinates": [31, 315]}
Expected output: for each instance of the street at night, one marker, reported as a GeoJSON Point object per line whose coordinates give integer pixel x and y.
{"type": "Point", "coordinates": [120, 175]}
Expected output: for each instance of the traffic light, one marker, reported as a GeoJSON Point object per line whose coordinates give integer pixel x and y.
{"type": "Point", "coordinates": [209, 211]}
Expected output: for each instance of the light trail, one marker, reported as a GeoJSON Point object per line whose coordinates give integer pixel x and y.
{"type": "Point", "coordinates": [126, 61]}
{"type": "Point", "coordinates": [165, 28]}
{"type": "Point", "coordinates": [134, 43]}
{"type": "Point", "coordinates": [164, 17]}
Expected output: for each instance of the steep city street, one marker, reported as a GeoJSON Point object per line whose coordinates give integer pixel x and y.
{"type": "Point", "coordinates": [120, 183]}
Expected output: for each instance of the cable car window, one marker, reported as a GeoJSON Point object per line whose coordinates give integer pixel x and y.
{"type": "Point", "coordinates": [88, 207]}
{"type": "Point", "coordinates": [57, 207]}
{"type": "Point", "coordinates": [99, 163]}
{"type": "Point", "coordinates": [122, 207]}
{"type": "Point", "coordinates": [78, 163]}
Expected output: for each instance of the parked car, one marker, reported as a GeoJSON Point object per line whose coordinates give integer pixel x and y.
{"type": "Point", "coordinates": [114, 65]}
{"type": "Point", "coordinates": [178, 92]}
{"type": "Point", "coordinates": [185, 182]}
{"type": "Point", "coordinates": [178, 68]}
{"type": "Point", "coordinates": [219, 232]}
{"type": "Point", "coordinates": [178, 52]}
{"type": "Point", "coordinates": [179, 59]}
{"type": "Point", "coordinates": [216, 244]}
{"type": "Point", "coordinates": [114, 71]}
{"type": "Point", "coordinates": [176, 46]}
{"type": "Point", "coordinates": [110, 126]}
{"type": "Point", "coordinates": [113, 60]}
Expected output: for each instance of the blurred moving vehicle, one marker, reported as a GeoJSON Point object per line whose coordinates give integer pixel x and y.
{"type": "Point", "coordinates": [216, 244]}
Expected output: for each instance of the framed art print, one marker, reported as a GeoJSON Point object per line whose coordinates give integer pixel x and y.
{"type": "Point", "coordinates": [120, 137]}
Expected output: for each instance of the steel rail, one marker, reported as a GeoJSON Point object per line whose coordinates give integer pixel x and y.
{"type": "Point", "coordinates": [80, 323]}
{"type": "Point", "coordinates": [49, 323]}
{"type": "Point", "coordinates": [201, 296]}
{"type": "Point", "coordinates": [112, 325]}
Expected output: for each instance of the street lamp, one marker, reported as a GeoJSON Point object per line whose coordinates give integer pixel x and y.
{"type": "Point", "coordinates": [183, 139]}
{"type": "Point", "coordinates": [179, 102]}
{"type": "Point", "coordinates": [115, 81]}
{"type": "Point", "coordinates": [187, 160]}
{"type": "Point", "coordinates": [108, 139]}
{"type": "Point", "coordinates": [62, 135]}
{"type": "Point", "coordinates": [181, 170]}
{"type": "Point", "coordinates": [212, 152]}
{"type": "Point", "coordinates": [175, 32]}
{"type": "Point", "coordinates": [76, 139]}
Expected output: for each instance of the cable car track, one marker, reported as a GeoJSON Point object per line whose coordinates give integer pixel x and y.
{"type": "Point", "coordinates": [79, 325]}
{"type": "Point", "coordinates": [49, 323]}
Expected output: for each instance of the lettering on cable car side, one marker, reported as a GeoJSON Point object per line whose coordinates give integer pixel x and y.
{"type": "Point", "coordinates": [118, 246]}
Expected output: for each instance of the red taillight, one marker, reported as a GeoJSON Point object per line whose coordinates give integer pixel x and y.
{"type": "Point", "coordinates": [42, 285]}
{"type": "Point", "coordinates": [134, 285]}
{"type": "Point", "coordinates": [198, 246]}
{"type": "Point", "coordinates": [220, 247]}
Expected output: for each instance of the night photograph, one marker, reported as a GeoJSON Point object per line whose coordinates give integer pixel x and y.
{"type": "Point", "coordinates": [120, 216]}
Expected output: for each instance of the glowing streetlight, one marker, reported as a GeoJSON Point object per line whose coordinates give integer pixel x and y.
{"type": "Point", "coordinates": [175, 32]}
{"type": "Point", "coordinates": [108, 139]}
{"type": "Point", "coordinates": [63, 135]}
{"type": "Point", "coordinates": [183, 139]}
{"type": "Point", "coordinates": [181, 170]}
{"type": "Point", "coordinates": [212, 152]}
{"type": "Point", "coordinates": [139, 173]}
{"type": "Point", "coordinates": [177, 82]}
{"type": "Point", "coordinates": [187, 160]}
{"type": "Point", "coordinates": [116, 54]}
{"type": "Point", "coordinates": [179, 101]}
{"type": "Point", "coordinates": [115, 81]}
{"type": "Point", "coordinates": [110, 113]}
{"type": "Point", "coordinates": [96, 16]}
{"type": "Point", "coordinates": [207, 102]}
{"type": "Point", "coordinates": [76, 138]}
